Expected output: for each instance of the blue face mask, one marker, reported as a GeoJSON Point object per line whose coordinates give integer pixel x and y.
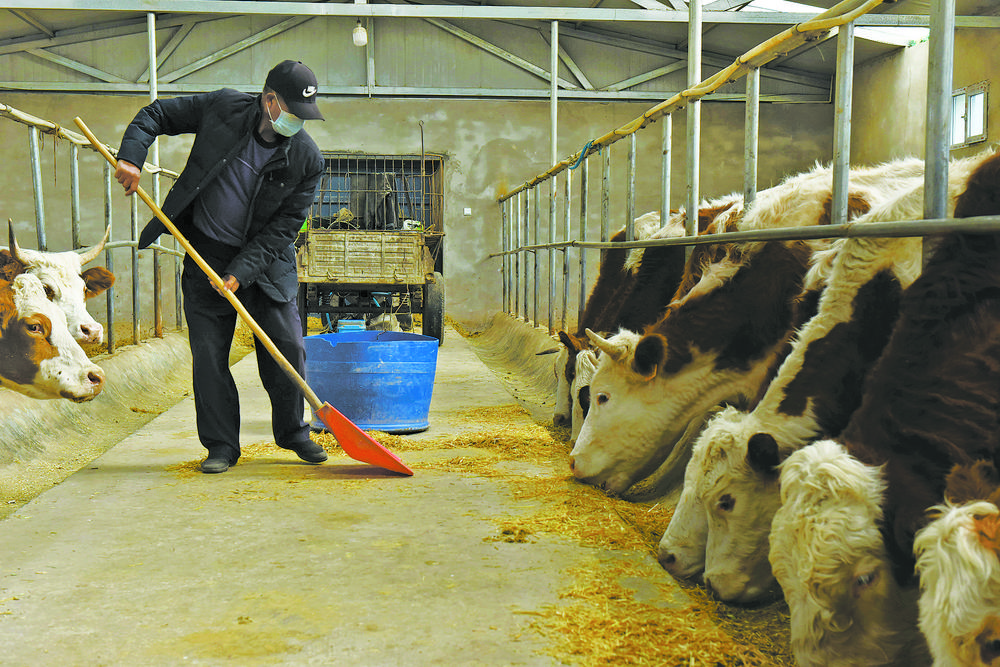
{"type": "Point", "coordinates": [286, 124]}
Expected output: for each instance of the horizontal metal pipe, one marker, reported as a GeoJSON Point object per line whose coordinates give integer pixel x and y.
{"type": "Point", "coordinates": [986, 224]}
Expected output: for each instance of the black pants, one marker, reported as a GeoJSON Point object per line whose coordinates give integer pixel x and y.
{"type": "Point", "coordinates": [211, 323]}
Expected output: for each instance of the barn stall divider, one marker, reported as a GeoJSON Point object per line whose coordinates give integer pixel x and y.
{"type": "Point", "coordinates": [35, 128]}
{"type": "Point", "coordinates": [147, 371]}
{"type": "Point", "coordinates": [520, 207]}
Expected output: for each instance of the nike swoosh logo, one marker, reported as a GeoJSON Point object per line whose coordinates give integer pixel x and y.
{"type": "Point", "coordinates": [308, 91]}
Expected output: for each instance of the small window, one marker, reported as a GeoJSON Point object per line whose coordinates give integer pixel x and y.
{"type": "Point", "coordinates": [968, 115]}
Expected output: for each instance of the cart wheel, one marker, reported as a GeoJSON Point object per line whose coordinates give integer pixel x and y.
{"type": "Point", "coordinates": [433, 308]}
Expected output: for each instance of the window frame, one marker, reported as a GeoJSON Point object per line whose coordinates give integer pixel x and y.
{"type": "Point", "coordinates": [963, 122]}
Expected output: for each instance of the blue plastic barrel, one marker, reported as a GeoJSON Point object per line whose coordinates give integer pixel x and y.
{"type": "Point", "coordinates": [380, 380]}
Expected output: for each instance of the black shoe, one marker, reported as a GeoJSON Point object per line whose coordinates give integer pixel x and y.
{"type": "Point", "coordinates": [308, 451]}
{"type": "Point", "coordinates": [215, 464]}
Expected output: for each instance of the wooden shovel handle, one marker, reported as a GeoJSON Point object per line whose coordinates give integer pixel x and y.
{"type": "Point", "coordinates": [311, 396]}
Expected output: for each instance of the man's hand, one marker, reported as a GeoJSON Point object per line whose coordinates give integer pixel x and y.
{"type": "Point", "coordinates": [229, 282]}
{"type": "Point", "coordinates": [128, 175]}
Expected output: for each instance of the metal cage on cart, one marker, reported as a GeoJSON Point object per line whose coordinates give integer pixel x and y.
{"type": "Point", "coordinates": [372, 245]}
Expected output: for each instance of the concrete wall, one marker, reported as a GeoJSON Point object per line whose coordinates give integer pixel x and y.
{"type": "Point", "coordinates": [889, 112]}
{"type": "Point", "coordinates": [490, 146]}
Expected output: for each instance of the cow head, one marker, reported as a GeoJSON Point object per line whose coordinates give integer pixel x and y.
{"type": "Point", "coordinates": [650, 393]}
{"type": "Point", "coordinates": [828, 554]}
{"type": "Point", "coordinates": [737, 489]}
{"type": "Point", "coordinates": [958, 558]}
{"type": "Point", "coordinates": [38, 356]}
{"type": "Point", "coordinates": [66, 283]}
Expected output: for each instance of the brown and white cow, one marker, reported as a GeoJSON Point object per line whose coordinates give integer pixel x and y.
{"type": "Point", "coordinates": [624, 274]}
{"type": "Point", "coordinates": [930, 403]}
{"type": "Point", "coordinates": [65, 281]}
{"type": "Point", "coordinates": [958, 559]}
{"type": "Point", "coordinates": [845, 611]}
{"type": "Point", "coordinates": [717, 342]}
{"type": "Point", "coordinates": [38, 356]}
{"type": "Point", "coordinates": [630, 294]}
{"type": "Point", "coordinates": [733, 488]}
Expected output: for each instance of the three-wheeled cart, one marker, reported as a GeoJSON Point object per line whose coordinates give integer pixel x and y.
{"type": "Point", "coordinates": [373, 243]}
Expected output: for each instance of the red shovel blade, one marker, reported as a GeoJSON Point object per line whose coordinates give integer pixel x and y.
{"type": "Point", "coordinates": [356, 443]}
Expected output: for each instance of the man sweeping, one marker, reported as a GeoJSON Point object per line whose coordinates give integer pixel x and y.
{"type": "Point", "coordinates": [246, 188]}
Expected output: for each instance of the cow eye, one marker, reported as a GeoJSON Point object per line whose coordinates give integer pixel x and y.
{"type": "Point", "coordinates": [726, 503]}
{"type": "Point", "coordinates": [602, 398]}
{"type": "Point", "coordinates": [35, 328]}
{"type": "Point", "coordinates": [863, 581]}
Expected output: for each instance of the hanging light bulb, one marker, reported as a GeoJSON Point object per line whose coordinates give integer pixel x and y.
{"type": "Point", "coordinates": [359, 35]}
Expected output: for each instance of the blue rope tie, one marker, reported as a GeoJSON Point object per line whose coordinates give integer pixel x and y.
{"type": "Point", "coordinates": [583, 154]}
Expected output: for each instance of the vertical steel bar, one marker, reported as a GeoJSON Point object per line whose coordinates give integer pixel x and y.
{"type": "Point", "coordinates": [504, 266]}
{"type": "Point", "coordinates": [553, 155]}
{"type": "Point", "coordinates": [135, 270]}
{"type": "Point", "coordinates": [665, 147]}
{"type": "Point", "coordinates": [74, 194]}
{"type": "Point", "coordinates": [36, 180]}
{"type": "Point", "coordinates": [584, 192]}
{"type": "Point", "coordinates": [567, 180]}
{"type": "Point", "coordinates": [370, 57]}
{"type": "Point", "coordinates": [537, 212]}
{"type": "Point", "coordinates": [605, 197]}
{"type": "Point", "coordinates": [554, 92]}
{"type": "Point", "coordinates": [153, 92]}
{"type": "Point", "coordinates": [842, 123]}
{"type": "Point", "coordinates": [630, 191]}
{"type": "Point", "coordinates": [109, 261]}
{"type": "Point", "coordinates": [751, 130]}
{"type": "Point", "coordinates": [693, 121]}
{"type": "Point", "coordinates": [941, 47]}
{"type": "Point", "coordinates": [553, 195]}
{"type": "Point", "coordinates": [527, 241]}
{"type": "Point", "coordinates": [516, 230]}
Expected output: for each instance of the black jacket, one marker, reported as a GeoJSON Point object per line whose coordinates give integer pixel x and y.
{"type": "Point", "coordinates": [223, 123]}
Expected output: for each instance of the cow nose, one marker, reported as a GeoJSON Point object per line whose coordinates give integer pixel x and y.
{"type": "Point", "coordinates": [667, 560]}
{"type": "Point", "coordinates": [561, 420]}
{"type": "Point", "coordinates": [91, 333]}
{"type": "Point", "coordinates": [96, 378]}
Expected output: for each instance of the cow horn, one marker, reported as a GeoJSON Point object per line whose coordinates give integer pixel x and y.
{"type": "Point", "coordinates": [15, 251]}
{"type": "Point", "coordinates": [605, 346]}
{"type": "Point", "coordinates": [90, 254]}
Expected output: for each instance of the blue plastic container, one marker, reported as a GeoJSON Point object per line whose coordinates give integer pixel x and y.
{"type": "Point", "coordinates": [380, 380]}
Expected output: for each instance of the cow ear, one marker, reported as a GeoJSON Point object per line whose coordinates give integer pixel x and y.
{"type": "Point", "coordinates": [988, 528]}
{"type": "Point", "coordinates": [98, 280]}
{"type": "Point", "coordinates": [571, 342]}
{"type": "Point", "coordinates": [762, 454]}
{"type": "Point", "coordinates": [650, 352]}
{"type": "Point", "coordinates": [10, 266]}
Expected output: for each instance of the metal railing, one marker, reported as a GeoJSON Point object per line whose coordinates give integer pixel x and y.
{"type": "Point", "coordinates": [35, 128]}
{"type": "Point", "coordinates": [520, 221]}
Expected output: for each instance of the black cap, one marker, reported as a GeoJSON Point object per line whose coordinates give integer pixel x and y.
{"type": "Point", "coordinates": [297, 86]}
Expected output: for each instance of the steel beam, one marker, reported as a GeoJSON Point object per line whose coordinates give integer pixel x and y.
{"type": "Point", "coordinates": [497, 51]}
{"type": "Point", "coordinates": [448, 11]}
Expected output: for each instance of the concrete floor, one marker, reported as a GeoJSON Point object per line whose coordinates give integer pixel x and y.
{"type": "Point", "coordinates": [138, 559]}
